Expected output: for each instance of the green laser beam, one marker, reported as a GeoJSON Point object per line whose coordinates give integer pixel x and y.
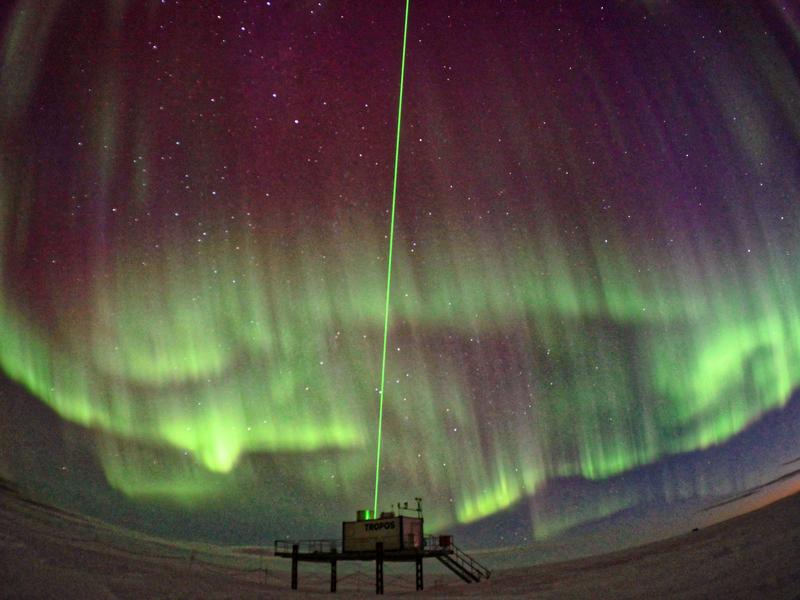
{"type": "Point", "coordinates": [389, 262]}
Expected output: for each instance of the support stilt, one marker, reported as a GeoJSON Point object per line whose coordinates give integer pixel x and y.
{"type": "Point", "coordinates": [379, 568]}
{"type": "Point", "coordinates": [333, 574]}
{"type": "Point", "coordinates": [295, 552]}
{"type": "Point", "coordinates": [419, 573]}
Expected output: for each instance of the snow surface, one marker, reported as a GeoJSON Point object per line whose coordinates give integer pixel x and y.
{"type": "Point", "coordinates": [46, 552]}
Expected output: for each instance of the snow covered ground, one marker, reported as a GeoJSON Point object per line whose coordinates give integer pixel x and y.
{"type": "Point", "coordinates": [49, 553]}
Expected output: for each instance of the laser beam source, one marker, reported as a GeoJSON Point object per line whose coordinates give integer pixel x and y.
{"type": "Point", "coordinates": [389, 262]}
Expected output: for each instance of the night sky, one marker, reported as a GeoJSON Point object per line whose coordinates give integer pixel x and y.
{"type": "Point", "coordinates": [595, 303]}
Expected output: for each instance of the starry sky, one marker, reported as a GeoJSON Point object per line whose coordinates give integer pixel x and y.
{"type": "Point", "coordinates": [595, 303]}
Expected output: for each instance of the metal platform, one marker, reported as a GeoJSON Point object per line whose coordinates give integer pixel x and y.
{"type": "Point", "coordinates": [329, 551]}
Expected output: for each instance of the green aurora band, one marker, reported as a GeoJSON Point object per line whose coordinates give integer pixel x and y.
{"type": "Point", "coordinates": [202, 356]}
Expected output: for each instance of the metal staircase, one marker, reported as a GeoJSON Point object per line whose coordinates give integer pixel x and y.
{"type": "Point", "coordinates": [463, 565]}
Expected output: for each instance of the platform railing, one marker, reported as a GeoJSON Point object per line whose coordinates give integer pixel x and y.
{"type": "Point", "coordinates": [307, 546]}
{"type": "Point", "coordinates": [433, 542]}
{"type": "Point", "coordinates": [466, 561]}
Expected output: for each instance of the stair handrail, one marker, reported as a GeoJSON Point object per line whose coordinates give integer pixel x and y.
{"type": "Point", "coordinates": [473, 564]}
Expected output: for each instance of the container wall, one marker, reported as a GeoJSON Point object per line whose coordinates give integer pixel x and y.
{"type": "Point", "coordinates": [363, 536]}
{"type": "Point", "coordinates": [412, 533]}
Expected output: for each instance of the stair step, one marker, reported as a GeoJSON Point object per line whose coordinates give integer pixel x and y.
{"type": "Point", "coordinates": [456, 568]}
{"type": "Point", "coordinates": [464, 566]}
